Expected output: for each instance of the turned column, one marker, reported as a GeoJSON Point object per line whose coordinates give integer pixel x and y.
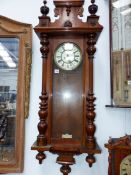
{"type": "Point", "coordinates": [90, 106]}
{"type": "Point", "coordinates": [43, 112]}
{"type": "Point", "coordinates": [90, 115]}
{"type": "Point", "coordinates": [90, 96]}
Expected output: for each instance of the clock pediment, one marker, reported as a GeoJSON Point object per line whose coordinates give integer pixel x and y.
{"type": "Point", "coordinates": [68, 13]}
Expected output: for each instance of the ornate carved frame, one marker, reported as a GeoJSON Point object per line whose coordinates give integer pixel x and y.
{"type": "Point", "coordinates": [116, 69]}
{"type": "Point", "coordinates": [10, 28]}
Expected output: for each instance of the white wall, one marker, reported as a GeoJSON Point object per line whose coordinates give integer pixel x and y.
{"type": "Point", "coordinates": [110, 122]}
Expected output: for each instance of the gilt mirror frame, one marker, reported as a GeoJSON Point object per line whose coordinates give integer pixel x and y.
{"type": "Point", "coordinates": [22, 32]}
{"type": "Point", "coordinates": [120, 53]}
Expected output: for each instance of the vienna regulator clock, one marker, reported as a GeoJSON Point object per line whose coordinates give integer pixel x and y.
{"type": "Point", "coordinates": [119, 156]}
{"type": "Point", "coordinates": [67, 110]}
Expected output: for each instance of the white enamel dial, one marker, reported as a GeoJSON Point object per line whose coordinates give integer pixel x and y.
{"type": "Point", "coordinates": [125, 167]}
{"type": "Point", "coordinates": [68, 56]}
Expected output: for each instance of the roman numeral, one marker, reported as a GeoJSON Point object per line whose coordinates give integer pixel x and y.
{"type": "Point", "coordinates": [124, 169]}
{"type": "Point", "coordinates": [129, 159]}
{"type": "Point", "coordinates": [59, 61]}
{"type": "Point", "coordinates": [76, 60]}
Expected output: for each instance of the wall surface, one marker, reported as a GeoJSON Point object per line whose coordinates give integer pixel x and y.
{"type": "Point", "coordinates": [110, 122]}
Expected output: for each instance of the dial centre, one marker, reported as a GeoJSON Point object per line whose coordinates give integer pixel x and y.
{"type": "Point", "coordinates": [68, 56]}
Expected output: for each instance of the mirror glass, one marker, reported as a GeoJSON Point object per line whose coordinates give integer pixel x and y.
{"type": "Point", "coordinates": [121, 51]}
{"type": "Point", "coordinates": [9, 58]}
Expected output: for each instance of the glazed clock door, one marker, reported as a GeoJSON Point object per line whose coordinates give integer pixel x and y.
{"type": "Point", "coordinates": [67, 91]}
{"type": "Point", "coordinates": [125, 167]}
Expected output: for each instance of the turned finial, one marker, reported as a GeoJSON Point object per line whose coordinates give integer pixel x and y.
{"type": "Point", "coordinates": [93, 8]}
{"type": "Point", "coordinates": [44, 9]}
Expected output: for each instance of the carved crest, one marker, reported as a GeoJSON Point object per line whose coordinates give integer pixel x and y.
{"type": "Point", "coordinates": [119, 142]}
{"type": "Point", "coordinates": [68, 12]}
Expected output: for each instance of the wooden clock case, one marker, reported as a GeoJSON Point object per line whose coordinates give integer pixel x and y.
{"type": "Point", "coordinates": [118, 148]}
{"type": "Point", "coordinates": [67, 28]}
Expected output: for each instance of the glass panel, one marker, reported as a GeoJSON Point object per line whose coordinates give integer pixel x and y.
{"type": "Point", "coordinates": [121, 51]}
{"type": "Point", "coordinates": [9, 55]}
{"type": "Point", "coordinates": [67, 93]}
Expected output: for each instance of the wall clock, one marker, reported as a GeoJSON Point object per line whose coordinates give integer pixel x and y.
{"type": "Point", "coordinates": [67, 110]}
{"type": "Point", "coordinates": [119, 156]}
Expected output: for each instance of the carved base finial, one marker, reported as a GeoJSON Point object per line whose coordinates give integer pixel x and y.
{"type": "Point", "coordinates": [90, 159]}
{"type": "Point", "coordinates": [65, 159]}
{"type": "Point", "coordinates": [65, 169]}
{"type": "Point", "coordinates": [40, 156]}
{"type": "Point", "coordinates": [92, 1]}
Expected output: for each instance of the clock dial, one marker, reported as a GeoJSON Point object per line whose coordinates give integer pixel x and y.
{"type": "Point", "coordinates": [125, 167]}
{"type": "Point", "coordinates": [68, 56]}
